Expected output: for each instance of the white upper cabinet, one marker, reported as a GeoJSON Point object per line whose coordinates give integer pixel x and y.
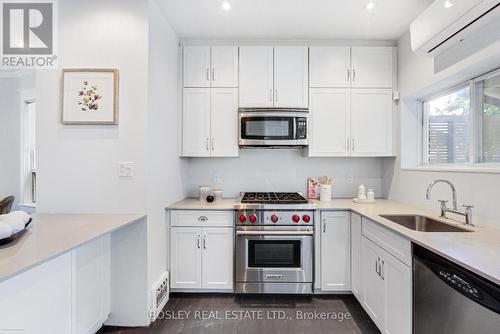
{"type": "Point", "coordinates": [291, 77]}
{"type": "Point", "coordinates": [371, 122]}
{"type": "Point", "coordinates": [196, 122]}
{"type": "Point", "coordinates": [196, 61]}
{"type": "Point", "coordinates": [256, 76]}
{"type": "Point", "coordinates": [372, 67]}
{"type": "Point", "coordinates": [329, 122]}
{"type": "Point", "coordinates": [224, 122]}
{"type": "Point", "coordinates": [330, 67]}
{"type": "Point", "coordinates": [224, 69]}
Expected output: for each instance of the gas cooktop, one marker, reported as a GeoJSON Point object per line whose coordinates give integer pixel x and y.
{"type": "Point", "coordinates": [273, 198]}
{"type": "Point", "coordinates": [273, 201]}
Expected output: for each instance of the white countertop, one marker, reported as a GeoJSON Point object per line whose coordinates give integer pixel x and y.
{"type": "Point", "coordinates": [478, 251]}
{"type": "Point", "coordinates": [50, 235]}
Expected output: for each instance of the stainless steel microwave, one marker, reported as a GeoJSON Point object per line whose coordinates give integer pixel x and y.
{"type": "Point", "coordinates": [273, 127]}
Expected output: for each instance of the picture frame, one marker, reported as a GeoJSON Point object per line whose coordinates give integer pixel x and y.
{"type": "Point", "coordinates": [89, 96]}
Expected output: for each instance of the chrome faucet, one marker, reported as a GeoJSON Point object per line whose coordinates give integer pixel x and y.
{"type": "Point", "coordinates": [444, 209]}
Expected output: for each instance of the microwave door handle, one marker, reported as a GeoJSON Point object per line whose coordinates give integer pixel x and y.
{"type": "Point", "coordinates": [294, 128]}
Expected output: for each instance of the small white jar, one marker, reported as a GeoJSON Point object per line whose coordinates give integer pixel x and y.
{"type": "Point", "coordinates": [325, 192]}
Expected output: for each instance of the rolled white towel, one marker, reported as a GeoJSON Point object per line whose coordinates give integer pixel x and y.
{"type": "Point", "coordinates": [20, 214]}
{"type": "Point", "coordinates": [17, 224]}
{"type": "Point", "coordinates": [5, 230]}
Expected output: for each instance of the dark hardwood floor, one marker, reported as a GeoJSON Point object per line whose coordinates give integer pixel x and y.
{"type": "Point", "coordinates": [222, 314]}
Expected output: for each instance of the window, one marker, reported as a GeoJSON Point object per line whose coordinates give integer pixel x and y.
{"type": "Point", "coordinates": [489, 95]}
{"type": "Point", "coordinates": [448, 125]}
{"type": "Point", "coordinates": [462, 125]}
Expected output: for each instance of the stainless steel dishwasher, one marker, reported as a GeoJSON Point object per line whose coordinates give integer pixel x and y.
{"type": "Point", "coordinates": [450, 299]}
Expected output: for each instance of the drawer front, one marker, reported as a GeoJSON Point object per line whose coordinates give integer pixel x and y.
{"type": "Point", "coordinates": [396, 245]}
{"type": "Point", "coordinates": [202, 218]}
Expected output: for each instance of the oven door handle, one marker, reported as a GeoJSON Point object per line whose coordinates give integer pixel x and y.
{"type": "Point", "coordinates": [305, 233]}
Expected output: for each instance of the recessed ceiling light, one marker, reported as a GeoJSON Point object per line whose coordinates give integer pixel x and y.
{"type": "Point", "coordinates": [448, 4]}
{"type": "Point", "coordinates": [370, 5]}
{"type": "Point", "coordinates": [226, 6]}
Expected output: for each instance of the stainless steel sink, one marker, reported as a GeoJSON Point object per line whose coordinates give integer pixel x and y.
{"type": "Point", "coordinates": [422, 223]}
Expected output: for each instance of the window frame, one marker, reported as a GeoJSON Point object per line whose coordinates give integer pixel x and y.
{"type": "Point", "coordinates": [476, 154]}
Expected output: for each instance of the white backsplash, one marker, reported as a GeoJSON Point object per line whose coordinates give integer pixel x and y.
{"type": "Point", "coordinates": [280, 170]}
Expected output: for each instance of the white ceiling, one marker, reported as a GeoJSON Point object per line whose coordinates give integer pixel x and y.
{"type": "Point", "coordinates": [292, 19]}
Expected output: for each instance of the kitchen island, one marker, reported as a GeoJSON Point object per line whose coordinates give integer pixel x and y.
{"type": "Point", "coordinates": [68, 274]}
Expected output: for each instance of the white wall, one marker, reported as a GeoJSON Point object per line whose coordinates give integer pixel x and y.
{"type": "Point", "coordinates": [417, 78]}
{"type": "Point", "coordinates": [164, 165]}
{"type": "Point", "coordinates": [10, 138]}
{"type": "Point", "coordinates": [280, 170]}
{"type": "Point", "coordinates": [78, 164]}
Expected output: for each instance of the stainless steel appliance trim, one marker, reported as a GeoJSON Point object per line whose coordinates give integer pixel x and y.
{"type": "Point", "coordinates": [273, 143]}
{"type": "Point", "coordinates": [273, 288]}
{"type": "Point", "coordinates": [274, 232]}
{"type": "Point", "coordinates": [260, 114]}
{"type": "Point", "coordinates": [275, 207]}
{"type": "Point", "coordinates": [257, 111]}
{"type": "Point", "coordinates": [303, 274]}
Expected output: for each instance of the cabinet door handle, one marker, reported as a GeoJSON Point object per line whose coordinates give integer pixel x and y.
{"type": "Point", "coordinates": [213, 74]}
{"type": "Point", "coordinates": [199, 246]}
{"type": "Point", "coordinates": [213, 147]}
{"type": "Point", "coordinates": [271, 95]}
{"type": "Point", "coordinates": [353, 144]}
{"type": "Point", "coordinates": [208, 74]}
{"type": "Point", "coordinates": [324, 226]}
{"type": "Point", "coordinates": [382, 270]}
{"type": "Point", "coordinates": [348, 144]}
{"type": "Point", "coordinates": [276, 96]}
{"type": "Point", "coordinates": [376, 267]}
{"type": "Point", "coordinates": [353, 74]}
{"type": "Point", "coordinates": [205, 241]}
{"type": "Point", "coordinates": [348, 75]}
{"type": "Point", "coordinates": [208, 144]}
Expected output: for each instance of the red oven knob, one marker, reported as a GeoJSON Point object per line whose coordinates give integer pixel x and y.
{"type": "Point", "coordinates": [253, 218]}
{"type": "Point", "coordinates": [274, 219]}
{"type": "Point", "coordinates": [306, 218]}
{"type": "Point", "coordinates": [243, 219]}
{"type": "Point", "coordinates": [296, 218]}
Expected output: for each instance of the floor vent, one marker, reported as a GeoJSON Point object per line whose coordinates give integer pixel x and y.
{"type": "Point", "coordinates": [161, 293]}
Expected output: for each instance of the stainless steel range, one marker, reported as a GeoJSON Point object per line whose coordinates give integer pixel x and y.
{"type": "Point", "coordinates": [274, 244]}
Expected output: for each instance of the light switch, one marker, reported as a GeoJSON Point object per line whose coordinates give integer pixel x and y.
{"type": "Point", "coordinates": [126, 169]}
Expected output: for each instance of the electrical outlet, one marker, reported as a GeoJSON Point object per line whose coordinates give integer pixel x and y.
{"type": "Point", "coordinates": [350, 179]}
{"type": "Point", "coordinates": [126, 169]}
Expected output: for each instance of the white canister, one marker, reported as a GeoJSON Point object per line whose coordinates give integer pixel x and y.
{"type": "Point", "coordinates": [325, 192]}
{"type": "Point", "coordinates": [370, 195]}
{"type": "Point", "coordinates": [218, 194]}
{"type": "Point", "coordinates": [362, 192]}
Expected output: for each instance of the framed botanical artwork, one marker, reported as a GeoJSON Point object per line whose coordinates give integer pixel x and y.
{"type": "Point", "coordinates": [90, 96]}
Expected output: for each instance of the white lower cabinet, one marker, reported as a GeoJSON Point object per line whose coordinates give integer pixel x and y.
{"type": "Point", "coordinates": [202, 252]}
{"type": "Point", "coordinates": [91, 285]}
{"type": "Point", "coordinates": [386, 289]}
{"type": "Point", "coordinates": [335, 255]}
{"type": "Point", "coordinates": [186, 257]}
{"type": "Point", "coordinates": [217, 262]}
{"type": "Point", "coordinates": [356, 277]}
{"type": "Point", "coordinates": [67, 294]}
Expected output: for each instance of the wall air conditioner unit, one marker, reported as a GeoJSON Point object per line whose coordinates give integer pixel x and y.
{"type": "Point", "coordinates": [447, 22]}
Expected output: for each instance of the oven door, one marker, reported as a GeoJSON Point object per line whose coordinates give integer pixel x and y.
{"type": "Point", "coordinates": [274, 256]}
{"type": "Point", "coordinates": [270, 129]}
